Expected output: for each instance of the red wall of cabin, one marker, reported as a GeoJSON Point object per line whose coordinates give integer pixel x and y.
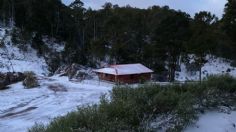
{"type": "Point", "coordinates": [135, 78]}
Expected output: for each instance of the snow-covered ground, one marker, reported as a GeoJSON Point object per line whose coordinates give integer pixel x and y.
{"type": "Point", "coordinates": [214, 66]}
{"type": "Point", "coordinates": [20, 108]}
{"type": "Point", "coordinates": [215, 122]}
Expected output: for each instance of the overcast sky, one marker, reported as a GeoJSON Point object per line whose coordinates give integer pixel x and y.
{"type": "Point", "coordinates": [189, 6]}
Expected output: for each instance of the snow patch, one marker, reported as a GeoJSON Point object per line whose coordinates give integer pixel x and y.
{"type": "Point", "coordinates": [214, 122]}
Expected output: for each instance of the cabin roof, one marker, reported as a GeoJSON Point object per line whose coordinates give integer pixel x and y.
{"type": "Point", "coordinates": [125, 69]}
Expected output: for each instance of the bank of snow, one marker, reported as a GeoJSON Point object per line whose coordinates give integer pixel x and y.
{"type": "Point", "coordinates": [20, 108]}
{"type": "Point", "coordinates": [214, 122]}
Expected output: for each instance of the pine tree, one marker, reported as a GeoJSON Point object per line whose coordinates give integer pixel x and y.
{"type": "Point", "coordinates": [203, 38]}
{"type": "Point", "coordinates": [171, 34]}
{"type": "Point", "coordinates": [229, 21]}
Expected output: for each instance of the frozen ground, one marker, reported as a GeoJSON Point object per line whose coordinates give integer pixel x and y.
{"type": "Point", "coordinates": [215, 122]}
{"type": "Point", "coordinates": [20, 108]}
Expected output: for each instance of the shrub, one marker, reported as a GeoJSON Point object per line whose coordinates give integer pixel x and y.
{"type": "Point", "coordinates": [30, 80]}
{"type": "Point", "coordinates": [166, 100]}
{"type": "Point", "coordinates": [225, 83]}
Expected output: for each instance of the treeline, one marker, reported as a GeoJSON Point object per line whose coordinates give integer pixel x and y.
{"type": "Point", "coordinates": [158, 37]}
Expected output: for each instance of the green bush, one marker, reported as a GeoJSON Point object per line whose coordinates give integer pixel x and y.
{"type": "Point", "coordinates": [38, 128]}
{"type": "Point", "coordinates": [30, 80]}
{"type": "Point", "coordinates": [132, 109]}
{"type": "Point", "coordinates": [223, 83]}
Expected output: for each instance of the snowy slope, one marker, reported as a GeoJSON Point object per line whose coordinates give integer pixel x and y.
{"type": "Point", "coordinates": [13, 58]}
{"type": "Point", "coordinates": [214, 66]}
{"type": "Point", "coordinates": [20, 108]}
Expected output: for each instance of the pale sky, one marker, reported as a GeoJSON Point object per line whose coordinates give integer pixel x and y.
{"type": "Point", "coordinates": [189, 6]}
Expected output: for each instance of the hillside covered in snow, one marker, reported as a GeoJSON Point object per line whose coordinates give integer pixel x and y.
{"type": "Point", "coordinates": [14, 59]}
{"type": "Point", "coordinates": [22, 57]}
{"type": "Point", "coordinates": [214, 66]}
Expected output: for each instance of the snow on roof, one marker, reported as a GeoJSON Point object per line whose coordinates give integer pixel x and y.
{"type": "Point", "coordinates": [126, 69]}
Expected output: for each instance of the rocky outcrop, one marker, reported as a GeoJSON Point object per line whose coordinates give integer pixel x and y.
{"type": "Point", "coordinates": [75, 71]}
{"type": "Point", "coordinates": [10, 78]}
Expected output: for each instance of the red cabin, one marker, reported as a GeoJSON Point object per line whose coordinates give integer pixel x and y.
{"type": "Point", "coordinates": [127, 73]}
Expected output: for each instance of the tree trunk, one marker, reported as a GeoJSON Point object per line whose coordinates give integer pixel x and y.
{"type": "Point", "coordinates": [172, 72]}
{"type": "Point", "coordinates": [200, 74]}
{"type": "Point", "coordinates": [94, 30]}
{"type": "Point", "coordinates": [58, 22]}
{"type": "Point", "coordinates": [52, 34]}
{"type": "Point", "coordinates": [11, 12]}
{"type": "Point", "coordinates": [173, 65]}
